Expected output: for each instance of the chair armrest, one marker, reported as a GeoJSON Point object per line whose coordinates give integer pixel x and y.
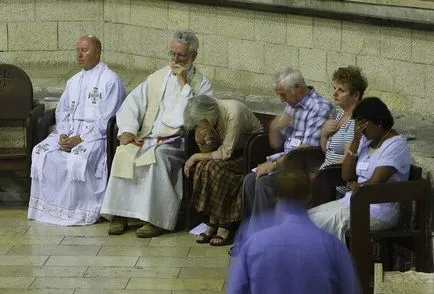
{"type": "Point", "coordinates": [32, 135]}
{"type": "Point", "coordinates": [47, 120]}
{"type": "Point", "coordinates": [391, 192]}
{"type": "Point", "coordinates": [256, 150]}
{"type": "Point", "coordinates": [324, 184]}
{"type": "Point", "coordinates": [37, 111]}
{"type": "Point", "coordinates": [112, 141]}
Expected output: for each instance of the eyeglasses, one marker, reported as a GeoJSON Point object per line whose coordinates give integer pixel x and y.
{"type": "Point", "coordinates": [176, 56]}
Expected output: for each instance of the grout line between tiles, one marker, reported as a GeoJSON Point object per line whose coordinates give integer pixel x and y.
{"type": "Point", "coordinates": [126, 285]}
{"type": "Point", "coordinates": [46, 260]}
{"type": "Point", "coordinates": [85, 272]}
{"type": "Point", "coordinates": [137, 261]}
{"type": "Point", "coordinates": [30, 285]}
{"type": "Point", "coordinates": [100, 248]}
{"type": "Point", "coordinates": [189, 251]}
{"type": "Point", "coordinates": [10, 249]}
{"type": "Point", "coordinates": [61, 241]}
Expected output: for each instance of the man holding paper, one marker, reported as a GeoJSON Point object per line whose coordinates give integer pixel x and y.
{"type": "Point", "coordinates": [305, 112]}
{"type": "Point", "coordinates": [146, 176]}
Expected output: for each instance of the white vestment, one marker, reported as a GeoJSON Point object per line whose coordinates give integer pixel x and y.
{"type": "Point", "coordinates": [149, 186]}
{"type": "Point", "coordinates": [68, 187]}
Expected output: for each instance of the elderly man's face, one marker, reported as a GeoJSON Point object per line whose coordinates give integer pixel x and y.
{"type": "Point", "coordinates": [178, 53]}
{"type": "Point", "coordinates": [87, 54]}
{"type": "Point", "coordinates": [287, 95]}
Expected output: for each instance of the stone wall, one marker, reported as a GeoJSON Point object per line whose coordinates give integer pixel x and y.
{"type": "Point", "coordinates": [239, 49]}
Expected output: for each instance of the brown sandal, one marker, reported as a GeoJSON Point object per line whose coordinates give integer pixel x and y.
{"type": "Point", "coordinates": [205, 237]}
{"type": "Point", "coordinates": [231, 227]}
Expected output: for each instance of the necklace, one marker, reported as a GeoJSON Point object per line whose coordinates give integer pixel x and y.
{"type": "Point", "coordinates": [382, 139]}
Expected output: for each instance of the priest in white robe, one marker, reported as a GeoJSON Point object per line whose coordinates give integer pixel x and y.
{"type": "Point", "coordinates": [146, 176]}
{"type": "Point", "coordinates": [69, 172]}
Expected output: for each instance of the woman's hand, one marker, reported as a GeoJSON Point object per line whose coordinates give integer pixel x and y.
{"type": "Point", "coordinates": [190, 163]}
{"type": "Point", "coordinates": [359, 128]}
{"type": "Point", "coordinates": [352, 185]}
{"type": "Point", "coordinates": [330, 127]}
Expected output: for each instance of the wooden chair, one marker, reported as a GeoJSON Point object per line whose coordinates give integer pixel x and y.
{"type": "Point", "coordinates": [188, 214]}
{"type": "Point", "coordinates": [18, 110]}
{"type": "Point", "coordinates": [413, 229]}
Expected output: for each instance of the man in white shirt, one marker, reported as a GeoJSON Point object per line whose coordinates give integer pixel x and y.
{"type": "Point", "coordinates": [146, 176]}
{"type": "Point", "coordinates": [69, 172]}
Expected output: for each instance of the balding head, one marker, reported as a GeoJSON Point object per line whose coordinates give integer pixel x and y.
{"type": "Point", "coordinates": [88, 52]}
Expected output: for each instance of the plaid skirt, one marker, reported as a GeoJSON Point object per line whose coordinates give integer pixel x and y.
{"type": "Point", "coordinates": [216, 185]}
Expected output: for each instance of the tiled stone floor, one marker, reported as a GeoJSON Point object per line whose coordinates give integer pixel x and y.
{"type": "Point", "coordinates": [43, 258]}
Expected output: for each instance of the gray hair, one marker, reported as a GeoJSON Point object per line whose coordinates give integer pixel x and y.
{"type": "Point", "coordinates": [288, 78]}
{"type": "Point", "coordinates": [189, 38]}
{"type": "Point", "coordinates": [200, 108]}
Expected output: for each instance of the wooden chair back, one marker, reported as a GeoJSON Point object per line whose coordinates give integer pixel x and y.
{"type": "Point", "coordinates": [16, 93]}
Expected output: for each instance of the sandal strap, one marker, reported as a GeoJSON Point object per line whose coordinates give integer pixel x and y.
{"type": "Point", "coordinates": [211, 225]}
{"type": "Point", "coordinates": [204, 235]}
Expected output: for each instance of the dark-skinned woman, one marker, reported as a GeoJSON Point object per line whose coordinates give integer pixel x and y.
{"type": "Point", "coordinates": [377, 154]}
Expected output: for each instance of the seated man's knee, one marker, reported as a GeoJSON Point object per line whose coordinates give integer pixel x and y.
{"type": "Point", "coordinates": [249, 179]}
{"type": "Point", "coordinates": [265, 183]}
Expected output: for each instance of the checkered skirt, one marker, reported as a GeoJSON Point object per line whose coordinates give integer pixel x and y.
{"type": "Point", "coordinates": [216, 185]}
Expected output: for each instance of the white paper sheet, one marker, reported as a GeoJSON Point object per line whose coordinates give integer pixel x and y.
{"type": "Point", "coordinates": [199, 229]}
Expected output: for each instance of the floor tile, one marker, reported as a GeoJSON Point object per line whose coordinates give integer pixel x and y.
{"type": "Point", "coordinates": [13, 212]}
{"type": "Point", "coordinates": [31, 240]}
{"type": "Point", "coordinates": [92, 261]}
{"type": "Point", "coordinates": [174, 239]}
{"type": "Point", "coordinates": [38, 291]}
{"type": "Point", "coordinates": [41, 271]}
{"type": "Point", "coordinates": [46, 229]}
{"type": "Point", "coordinates": [79, 250]}
{"type": "Point", "coordinates": [146, 261]}
{"type": "Point", "coordinates": [13, 230]}
{"type": "Point", "coordinates": [70, 283]}
{"type": "Point", "coordinates": [11, 221]}
{"type": "Point", "coordinates": [108, 291]}
{"type": "Point", "coordinates": [209, 251]}
{"type": "Point", "coordinates": [202, 272]}
{"type": "Point", "coordinates": [15, 282]}
{"type": "Point", "coordinates": [136, 272]}
{"type": "Point", "coordinates": [22, 260]}
{"type": "Point", "coordinates": [4, 249]}
{"type": "Point", "coordinates": [176, 284]}
{"type": "Point", "coordinates": [144, 251]}
{"type": "Point", "coordinates": [106, 241]}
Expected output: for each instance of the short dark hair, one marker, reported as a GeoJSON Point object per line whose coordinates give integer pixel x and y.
{"type": "Point", "coordinates": [352, 77]}
{"type": "Point", "coordinates": [294, 181]}
{"type": "Point", "coordinates": [374, 110]}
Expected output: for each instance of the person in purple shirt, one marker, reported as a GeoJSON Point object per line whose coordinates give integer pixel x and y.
{"type": "Point", "coordinates": [292, 255]}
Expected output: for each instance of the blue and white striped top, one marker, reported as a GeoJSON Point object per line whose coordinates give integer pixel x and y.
{"type": "Point", "coordinates": [335, 144]}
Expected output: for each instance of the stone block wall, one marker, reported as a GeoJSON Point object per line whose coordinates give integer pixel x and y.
{"type": "Point", "coordinates": [239, 49]}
